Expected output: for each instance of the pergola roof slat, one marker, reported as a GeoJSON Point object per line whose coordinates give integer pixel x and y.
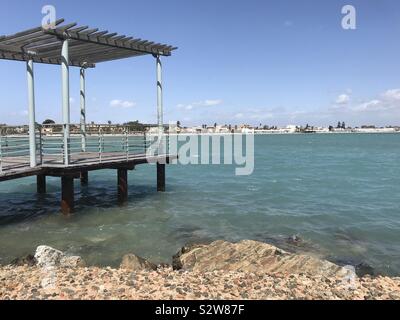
{"type": "Point", "coordinates": [29, 31]}
{"type": "Point", "coordinates": [88, 46]}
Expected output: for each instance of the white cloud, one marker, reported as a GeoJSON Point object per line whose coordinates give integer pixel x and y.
{"type": "Point", "coordinates": [71, 100]}
{"type": "Point", "coordinates": [392, 95]}
{"type": "Point", "coordinates": [373, 105]}
{"type": "Point", "coordinates": [388, 101]}
{"type": "Point", "coordinates": [122, 104]}
{"type": "Point", "coordinates": [343, 99]}
{"type": "Point", "coordinates": [205, 103]}
{"type": "Point", "coordinates": [208, 103]}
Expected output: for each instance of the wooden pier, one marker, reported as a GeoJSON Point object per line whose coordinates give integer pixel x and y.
{"type": "Point", "coordinates": [65, 155]}
{"type": "Point", "coordinates": [79, 169]}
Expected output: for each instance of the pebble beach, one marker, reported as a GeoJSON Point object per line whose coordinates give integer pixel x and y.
{"type": "Point", "coordinates": [94, 283]}
{"type": "Point", "coordinates": [247, 270]}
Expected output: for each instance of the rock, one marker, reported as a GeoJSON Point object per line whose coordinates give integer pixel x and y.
{"type": "Point", "coordinates": [29, 260]}
{"type": "Point", "coordinates": [363, 269]}
{"type": "Point", "coordinates": [252, 256]}
{"type": "Point", "coordinates": [133, 262]}
{"type": "Point", "coordinates": [176, 261]}
{"type": "Point", "coordinates": [49, 257]}
{"type": "Point", "coordinates": [72, 262]}
{"type": "Point", "coordinates": [295, 240]}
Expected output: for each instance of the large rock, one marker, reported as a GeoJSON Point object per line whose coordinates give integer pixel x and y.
{"type": "Point", "coordinates": [252, 256]}
{"type": "Point", "coordinates": [46, 256]}
{"type": "Point", "coordinates": [133, 262]}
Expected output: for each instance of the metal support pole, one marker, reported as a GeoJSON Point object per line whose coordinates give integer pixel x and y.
{"type": "Point", "coordinates": [83, 109]}
{"type": "Point", "coordinates": [160, 120]}
{"type": "Point", "coordinates": [65, 98]}
{"type": "Point", "coordinates": [31, 113]}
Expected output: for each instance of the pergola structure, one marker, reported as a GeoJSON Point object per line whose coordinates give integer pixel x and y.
{"type": "Point", "coordinates": [79, 46]}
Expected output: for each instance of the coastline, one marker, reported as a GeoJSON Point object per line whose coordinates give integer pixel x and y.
{"type": "Point", "coordinates": [220, 270]}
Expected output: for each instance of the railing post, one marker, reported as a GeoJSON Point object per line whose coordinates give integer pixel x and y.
{"type": "Point", "coordinates": [126, 144]}
{"type": "Point", "coordinates": [145, 142]}
{"type": "Point", "coordinates": [40, 145]}
{"type": "Point", "coordinates": [100, 145]}
{"type": "Point", "coordinates": [1, 153]}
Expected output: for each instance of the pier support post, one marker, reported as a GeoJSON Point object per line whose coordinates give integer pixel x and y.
{"type": "Point", "coordinates": [122, 185]}
{"type": "Point", "coordinates": [67, 195]}
{"type": "Point", "coordinates": [41, 183]}
{"type": "Point", "coordinates": [84, 178]}
{"type": "Point", "coordinates": [160, 177]}
{"type": "Point", "coordinates": [31, 113]}
{"type": "Point", "coordinates": [83, 108]}
{"type": "Point", "coordinates": [160, 111]}
{"type": "Point", "coordinates": [65, 98]}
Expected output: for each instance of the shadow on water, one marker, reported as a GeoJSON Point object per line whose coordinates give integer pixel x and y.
{"type": "Point", "coordinates": [190, 234]}
{"type": "Point", "coordinates": [29, 206]}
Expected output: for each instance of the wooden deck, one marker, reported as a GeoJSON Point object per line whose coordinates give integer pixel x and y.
{"type": "Point", "coordinates": [52, 165]}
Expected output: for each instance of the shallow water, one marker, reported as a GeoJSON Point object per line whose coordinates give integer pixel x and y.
{"type": "Point", "coordinates": [339, 193]}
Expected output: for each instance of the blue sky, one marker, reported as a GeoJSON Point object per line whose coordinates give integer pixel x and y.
{"type": "Point", "coordinates": [271, 62]}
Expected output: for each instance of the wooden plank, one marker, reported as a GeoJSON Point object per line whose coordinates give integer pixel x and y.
{"type": "Point", "coordinates": [41, 183]}
{"type": "Point", "coordinates": [122, 186]}
{"type": "Point", "coordinates": [67, 195]}
{"type": "Point", "coordinates": [81, 163]}
{"type": "Point", "coordinates": [27, 32]}
{"type": "Point", "coordinates": [160, 177]}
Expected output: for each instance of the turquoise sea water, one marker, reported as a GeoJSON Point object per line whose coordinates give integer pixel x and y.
{"type": "Point", "coordinates": [339, 193]}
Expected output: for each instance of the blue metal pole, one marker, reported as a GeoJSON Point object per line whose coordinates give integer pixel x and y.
{"type": "Point", "coordinates": [160, 105]}
{"type": "Point", "coordinates": [31, 113]}
{"type": "Point", "coordinates": [83, 109]}
{"type": "Point", "coordinates": [65, 98]}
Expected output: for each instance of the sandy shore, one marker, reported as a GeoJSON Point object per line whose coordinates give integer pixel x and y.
{"type": "Point", "coordinates": [106, 283]}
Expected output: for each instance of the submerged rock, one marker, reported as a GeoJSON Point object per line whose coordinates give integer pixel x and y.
{"type": "Point", "coordinates": [363, 269]}
{"type": "Point", "coordinates": [28, 260]}
{"type": "Point", "coordinates": [295, 240]}
{"type": "Point", "coordinates": [133, 262]}
{"type": "Point", "coordinates": [176, 259]}
{"type": "Point", "coordinates": [46, 256]}
{"type": "Point", "coordinates": [252, 256]}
